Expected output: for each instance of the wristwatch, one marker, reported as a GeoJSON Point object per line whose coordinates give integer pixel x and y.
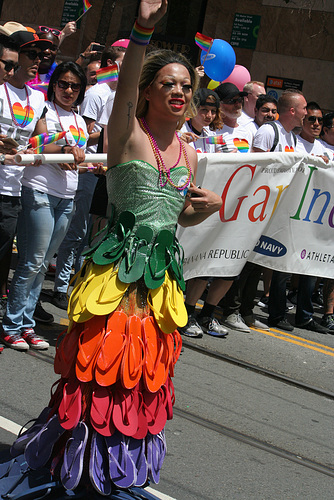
{"type": "Point", "coordinates": [2, 159]}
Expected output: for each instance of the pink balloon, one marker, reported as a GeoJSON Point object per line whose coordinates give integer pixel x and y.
{"type": "Point", "coordinates": [239, 76]}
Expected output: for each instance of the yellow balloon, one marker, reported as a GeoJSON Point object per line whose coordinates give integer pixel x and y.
{"type": "Point", "coordinates": [213, 85]}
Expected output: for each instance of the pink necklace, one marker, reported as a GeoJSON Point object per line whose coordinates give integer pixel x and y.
{"type": "Point", "coordinates": [25, 120]}
{"type": "Point", "coordinates": [164, 172]}
{"type": "Point", "coordinates": [76, 124]}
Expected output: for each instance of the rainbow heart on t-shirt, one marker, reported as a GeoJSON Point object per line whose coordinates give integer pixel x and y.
{"type": "Point", "coordinates": [241, 145]}
{"type": "Point", "coordinates": [23, 116]}
{"type": "Point", "coordinates": [288, 149]}
{"type": "Point", "coordinates": [78, 136]}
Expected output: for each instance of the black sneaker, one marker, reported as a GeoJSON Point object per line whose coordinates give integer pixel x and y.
{"type": "Point", "coordinates": [263, 302]}
{"type": "Point", "coordinates": [317, 298]}
{"type": "Point", "coordinates": [41, 315]}
{"type": "Point", "coordinates": [328, 322]}
{"type": "Point", "coordinates": [313, 326]}
{"type": "Point", "coordinates": [283, 324]}
{"type": "Point", "coordinates": [59, 299]}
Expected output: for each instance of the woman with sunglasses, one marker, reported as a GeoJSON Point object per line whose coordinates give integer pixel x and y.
{"type": "Point", "coordinates": [47, 204]}
{"type": "Point", "coordinates": [119, 353]}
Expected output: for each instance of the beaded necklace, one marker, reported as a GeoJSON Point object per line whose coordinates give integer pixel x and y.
{"type": "Point", "coordinates": [25, 120]}
{"type": "Point", "coordinates": [164, 172]}
{"type": "Point", "coordinates": [76, 124]}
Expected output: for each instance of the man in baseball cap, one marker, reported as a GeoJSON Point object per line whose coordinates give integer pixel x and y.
{"type": "Point", "coordinates": [30, 55]}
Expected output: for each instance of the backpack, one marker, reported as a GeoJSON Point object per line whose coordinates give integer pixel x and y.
{"type": "Point", "coordinates": [273, 124]}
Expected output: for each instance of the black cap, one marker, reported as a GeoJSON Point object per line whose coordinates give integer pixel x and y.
{"type": "Point", "coordinates": [29, 39]}
{"type": "Point", "coordinates": [201, 96]}
{"type": "Point", "coordinates": [228, 91]}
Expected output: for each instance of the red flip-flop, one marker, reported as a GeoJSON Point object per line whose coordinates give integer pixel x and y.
{"type": "Point", "coordinates": [155, 410]}
{"type": "Point", "coordinates": [101, 409]}
{"type": "Point", "coordinates": [69, 411]}
{"type": "Point", "coordinates": [125, 412]}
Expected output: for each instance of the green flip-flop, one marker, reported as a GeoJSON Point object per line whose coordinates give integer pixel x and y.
{"type": "Point", "coordinates": [176, 265]}
{"type": "Point", "coordinates": [159, 260]}
{"type": "Point", "coordinates": [132, 266]}
{"type": "Point", "coordinates": [113, 246]}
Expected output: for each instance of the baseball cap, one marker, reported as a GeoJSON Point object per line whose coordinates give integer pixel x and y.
{"type": "Point", "coordinates": [201, 96]}
{"type": "Point", "coordinates": [123, 42]}
{"type": "Point", "coordinates": [228, 91]}
{"type": "Point", "coordinates": [10, 28]}
{"type": "Point", "coordinates": [29, 39]}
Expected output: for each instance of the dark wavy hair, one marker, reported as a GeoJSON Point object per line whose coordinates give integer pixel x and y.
{"type": "Point", "coordinates": [152, 64]}
{"type": "Point", "coordinates": [327, 122]}
{"type": "Point", "coordinates": [64, 68]}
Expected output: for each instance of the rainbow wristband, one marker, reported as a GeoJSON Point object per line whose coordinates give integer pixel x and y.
{"type": "Point", "coordinates": [140, 35]}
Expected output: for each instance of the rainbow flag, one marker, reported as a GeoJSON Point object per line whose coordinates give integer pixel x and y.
{"type": "Point", "coordinates": [215, 139]}
{"type": "Point", "coordinates": [42, 87]}
{"type": "Point", "coordinates": [86, 6]}
{"type": "Point", "coordinates": [39, 141]}
{"type": "Point", "coordinates": [108, 74]}
{"type": "Point", "coordinates": [203, 42]}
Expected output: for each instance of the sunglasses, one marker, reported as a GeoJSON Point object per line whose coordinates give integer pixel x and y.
{"type": "Point", "coordinates": [62, 84]}
{"type": "Point", "coordinates": [33, 54]}
{"type": "Point", "coordinates": [46, 29]}
{"type": "Point", "coordinates": [234, 100]}
{"type": "Point", "coordinates": [313, 119]}
{"type": "Point", "coordinates": [9, 65]}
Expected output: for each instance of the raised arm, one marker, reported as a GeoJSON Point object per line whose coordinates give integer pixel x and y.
{"type": "Point", "coordinates": [122, 120]}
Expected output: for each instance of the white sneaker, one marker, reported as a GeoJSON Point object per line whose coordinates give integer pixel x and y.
{"type": "Point", "coordinates": [255, 323]}
{"type": "Point", "coordinates": [236, 322]}
{"type": "Point", "coordinates": [212, 327]}
{"type": "Point", "coordinates": [192, 328]}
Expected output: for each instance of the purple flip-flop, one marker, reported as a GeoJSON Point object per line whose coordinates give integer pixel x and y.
{"type": "Point", "coordinates": [155, 454]}
{"type": "Point", "coordinates": [71, 470]}
{"type": "Point", "coordinates": [39, 449]}
{"type": "Point", "coordinates": [99, 466]}
{"type": "Point", "coordinates": [23, 438]}
{"type": "Point", "coordinates": [122, 469]}
{"type": "Point", "coordinates": [136, 449]}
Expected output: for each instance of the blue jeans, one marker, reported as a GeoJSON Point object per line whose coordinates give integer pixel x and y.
{"type": "Point", "coordinates": [42, 225]}
{"type": "Point", "coordinates": [72, 244]}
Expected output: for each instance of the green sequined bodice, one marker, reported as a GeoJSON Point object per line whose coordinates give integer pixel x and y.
{"type": "Point", "coordinates": [135, 186]}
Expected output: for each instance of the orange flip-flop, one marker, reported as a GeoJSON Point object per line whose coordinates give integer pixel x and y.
{"type": "Point", "coordinates": [90, 342]}
{"type": "Point", "coordinates": [175, 350]}
{"type": "Point", "coordinates": [108, 364]}
{"type": "Point", "coordinates": [155, 369]}
{"type": "Point", "coordinates": [133, 359]}
{"type": "Point", "coordinates": [67, 350]}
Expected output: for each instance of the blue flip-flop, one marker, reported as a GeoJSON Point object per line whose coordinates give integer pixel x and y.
{"type": "Point", "coordinates": [136, 449]}
{"type": "Point", "coordinates": [122, 469]}
{"type": "Point", "coordinates": [71, 470]}
{"type": "Point", "coordinates": [24, 437]}
{"type": "Point", "coordinates": [99, 466]}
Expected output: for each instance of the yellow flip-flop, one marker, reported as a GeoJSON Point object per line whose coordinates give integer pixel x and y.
{"type": "Point", "coordinates": [106, 297]}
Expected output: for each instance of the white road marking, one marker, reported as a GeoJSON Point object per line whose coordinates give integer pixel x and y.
{"type": "Point", "coordinates": [14, 428]}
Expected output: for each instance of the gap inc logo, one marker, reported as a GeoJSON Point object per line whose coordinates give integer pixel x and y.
{"type": "Point", "coordinates": [269, 246]}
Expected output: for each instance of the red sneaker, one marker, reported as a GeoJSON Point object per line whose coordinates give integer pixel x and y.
{"type": "Point", "coordinates": [14, 341]}
{"type": "Point", "coordinates": [33, 340]}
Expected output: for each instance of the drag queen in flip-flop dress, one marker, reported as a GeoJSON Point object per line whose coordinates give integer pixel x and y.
{"type": "Point", "coordinates": [103, 430]}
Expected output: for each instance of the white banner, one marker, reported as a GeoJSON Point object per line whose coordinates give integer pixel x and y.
{"type": "Point", "coordinates": [281, 205]}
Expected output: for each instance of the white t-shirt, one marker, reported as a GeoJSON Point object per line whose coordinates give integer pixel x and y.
{"type": "Point", "coordinates": [238, 139]}
{"type": "Point", "coordinates": [50, 178]}
{"type": "Point", "coordinates": [265, 136]}
{"type": "Point", "coordinates": [10, 175]}
{"type": "Point", "coordinates": [200, 145]}
{"type": "Point", "coordinates": [244, 119]}
{"type": "Point", "coordinates": [327, 148]}
{"type": "Point", "coordinates": [107, 109]}
{"type": "Point", "coordinates": [93, 105]}
{"type": "Point", "coordinates": [311, 148]}
{"type": "Point", "coordinates": [252, 127]}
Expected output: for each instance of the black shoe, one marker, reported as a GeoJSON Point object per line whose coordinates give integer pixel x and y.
{"type": "Point", "coordinates": [317, 298]}
{"type": "Point", "coordinates": [59, 299]}
{"type": "Point", "coordinates": [328, 322]}
{"type": "Point", "coordinates": [42, 316]}
{"type": "Point", "coordinates": [313, 326]}
{"type": "Point", "coordinates": [283, 324]}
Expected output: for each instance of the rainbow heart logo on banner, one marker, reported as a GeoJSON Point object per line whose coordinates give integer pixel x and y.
{"type": "Point", "coordinates": [78, 136]}
{"type": "Point", "coordinates": [289, 150]}
{"type": "Point", "coordinates": [241, 145]}
{"type": "Point", "coordinates": [23, 116]}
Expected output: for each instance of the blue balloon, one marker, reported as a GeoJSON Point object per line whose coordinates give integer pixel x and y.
{"type": "Point", "coordinates": [220, 60]}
